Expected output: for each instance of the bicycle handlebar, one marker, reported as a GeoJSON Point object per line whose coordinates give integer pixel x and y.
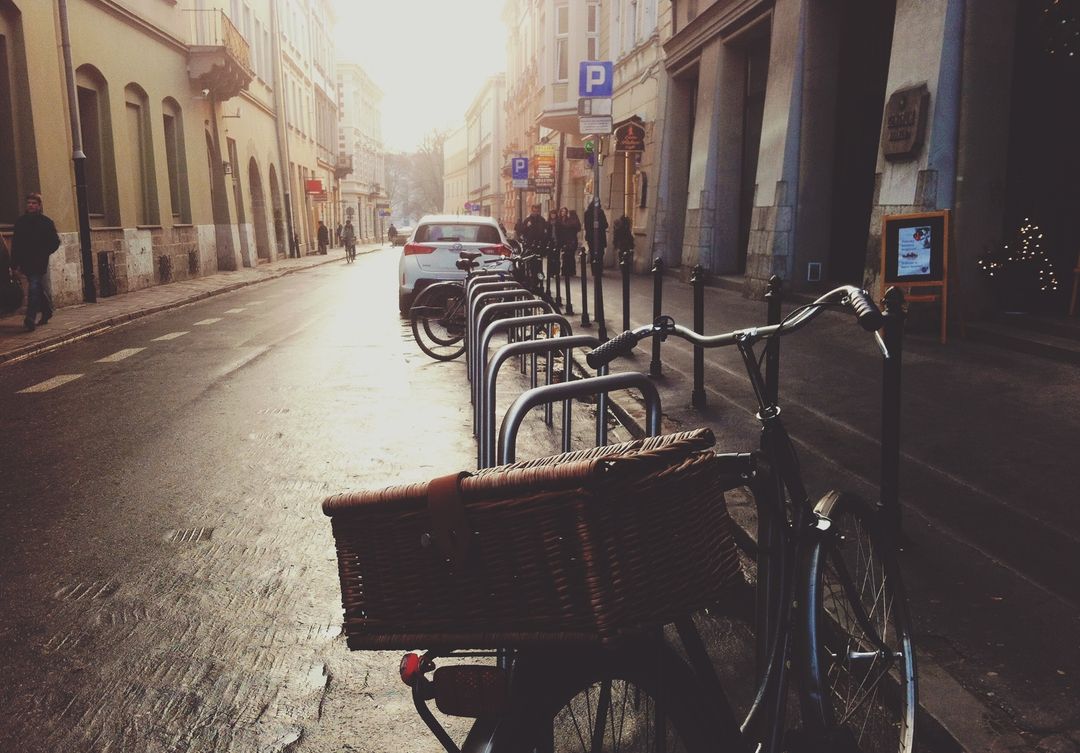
{"type": "Point", "coordinates": [866, 313]}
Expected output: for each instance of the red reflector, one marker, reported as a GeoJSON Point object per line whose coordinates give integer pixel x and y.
{"type": "Point", "coordinates": [410, 668]}
{"type": "Point", "coordinates": [501, 250]}
{"type": "Point", "coordinates": [417, 248]}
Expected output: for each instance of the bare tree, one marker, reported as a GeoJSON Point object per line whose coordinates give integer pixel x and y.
{"type": "Point", "coordinates": [427, 172]}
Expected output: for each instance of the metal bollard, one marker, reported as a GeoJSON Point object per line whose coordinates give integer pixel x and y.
{"type": "Point", "coordinates": [774, 296]}
{"type": "Point", "coordinates": [697, 281]}
{"type": "Point", "coordinates": [890, 407]}
{"type": "Point", "coordinates": [598, 298]}
{"type": "Point", "coordinates": [569, 310]}
{"type": "Point", "coordinates": [657, 305]}
{"type": "Point", "coordinates": [626, 260]}
{"type": "Point", "coordinates": [584, 288]}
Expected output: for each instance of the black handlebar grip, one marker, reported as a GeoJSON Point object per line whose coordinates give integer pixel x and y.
{"type": "Point", "coordinates": [866, 311]}
{"type": "Point", "coordinates": [620, 345]}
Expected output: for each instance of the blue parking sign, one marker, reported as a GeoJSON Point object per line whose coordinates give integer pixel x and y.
{"type": "Point", "coordinates": [595, 78]}
{"type": "Point", "coordinates": [519, 168]}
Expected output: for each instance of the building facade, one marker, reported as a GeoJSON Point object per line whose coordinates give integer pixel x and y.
{"type": "Point", "coordinates": [781, 154]}
{"type": "Point", "coordinates": [363, 195]}
{"type": "Point", "coordinates": [456, 171]}
{"type": "Point", "coordinates": [186, 161]}
{"type": "Point", "coordinates": [484, 137]}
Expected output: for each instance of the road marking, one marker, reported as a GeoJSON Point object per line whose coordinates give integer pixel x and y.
{"type": "Point", "coordinates": [120, 355]}
{"type": "Point", "coordinates": [234, 311]}
{"type": "Point", "coordinates": [50, 384]}
{"type": "Point", "coordinates": [255, 303]}
{"type": "Point", "coordinates": [170, 336]}
{"type": "Point", "coordinates": [208, 321]}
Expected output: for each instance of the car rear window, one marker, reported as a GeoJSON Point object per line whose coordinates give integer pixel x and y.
{"type": "Point", "coordinates": [457, 232]}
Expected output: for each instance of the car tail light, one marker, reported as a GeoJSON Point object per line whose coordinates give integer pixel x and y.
{"type": "Point", "coordinates": [418, 248]}
{"type": "Point", "coordinates": [501, 250]}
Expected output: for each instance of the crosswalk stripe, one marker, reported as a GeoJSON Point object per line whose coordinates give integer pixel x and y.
{"type": "Point", "coordinates": [50, 384]}
{"type": "Point", "coordinates": [208, 321]}
{"type": "Point", "coordinates": [234, 311]}
{"type": "Point", "coordinates": [120, 355]}
{"type": "Point", "coordinates": [170, 336]}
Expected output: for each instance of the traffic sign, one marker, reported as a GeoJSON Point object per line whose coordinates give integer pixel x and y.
{"type": "Point", "coordinates": [595, 78]}
{"type": "Point", "coordinates": [519, 171]}
{"type": "Point", "coordinates": [595, 124]}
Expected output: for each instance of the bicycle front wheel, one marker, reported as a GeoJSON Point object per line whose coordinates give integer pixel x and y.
{"type": "Point", "coordinates": [438, 321]}
{"type": "Point", "coordinates": [627, 700]}
{"type": "Point", "coordinates": [859, 657]}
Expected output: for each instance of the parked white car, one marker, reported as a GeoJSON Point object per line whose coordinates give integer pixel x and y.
{"type": "Point", "coordinates": [431, 254]}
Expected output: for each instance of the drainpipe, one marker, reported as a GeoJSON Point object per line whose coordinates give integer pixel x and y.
{"type": "Point", "coordinates": [78, 158]}
{"type": "Point", "coordinates": [282, 137]}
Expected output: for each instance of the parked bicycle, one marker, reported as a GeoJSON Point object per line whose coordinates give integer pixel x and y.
{"type": "Point", "coordinates": [827, 603]}
{"type": "Point", "coordinates": [438, 317]}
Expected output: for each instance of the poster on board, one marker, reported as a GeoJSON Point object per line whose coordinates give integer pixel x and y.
{"type": "Point", "coordinates": [914, 247]}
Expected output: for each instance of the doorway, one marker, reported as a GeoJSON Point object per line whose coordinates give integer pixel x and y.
{"type": "Point", "coordinates": [862, 77]}
{"type": "Point", "coordinates": [258, 211]}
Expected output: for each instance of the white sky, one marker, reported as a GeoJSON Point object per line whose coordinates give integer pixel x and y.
{"type": "Point", "coordinates": [429, 57]}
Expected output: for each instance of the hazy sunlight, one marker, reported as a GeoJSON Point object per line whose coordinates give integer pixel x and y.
{"type": "Point", "coordinates": [428, 56]}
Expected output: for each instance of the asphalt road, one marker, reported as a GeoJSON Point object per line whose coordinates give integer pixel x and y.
{"type": "Point", "coordinates": [170, 582]}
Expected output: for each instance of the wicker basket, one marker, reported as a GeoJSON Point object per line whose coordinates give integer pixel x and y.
{"type": "Point", "coordinates": [584, 547]}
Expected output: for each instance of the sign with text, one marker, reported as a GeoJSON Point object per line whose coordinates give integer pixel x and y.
{"type": "Point", "coordinates": [544, 161]}
{"type": "Point", "coordinates": [313, 186]}
{"type": "Point", "coordinates": [576, 152]}
{"type": "Point", "coordinates": [630, 138]}
{"type": "Point", "coordinates": [915, 254]}
{"type": "Point", "coordinates": [595, 78]}
{"type": "Point", "coordinates": [904, 129]}
{"type": "Point", "coordinates": [595, 125]}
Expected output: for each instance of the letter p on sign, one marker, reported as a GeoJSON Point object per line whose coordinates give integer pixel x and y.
{"type": "Point", "coordinates": [595, 78]}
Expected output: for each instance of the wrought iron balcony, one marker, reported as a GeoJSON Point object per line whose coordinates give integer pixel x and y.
{"type": "Point", "coordinates": [219, 58]}
{"type": "Point", "coordinates": [344, 165]}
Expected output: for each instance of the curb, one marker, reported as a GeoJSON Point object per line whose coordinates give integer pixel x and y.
{"type": "Point", "coordinates": [30, 350]}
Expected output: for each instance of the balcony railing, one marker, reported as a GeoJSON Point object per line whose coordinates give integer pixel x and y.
{"type": "Point", "coordinates": [219, 58]}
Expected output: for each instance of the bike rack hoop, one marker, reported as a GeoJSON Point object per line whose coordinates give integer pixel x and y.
{"type": "Point", "coordinates": [578, 388]}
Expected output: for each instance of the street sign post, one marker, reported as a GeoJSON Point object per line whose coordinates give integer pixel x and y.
{"type": "Point", "coordinates": [594, 124]}
{"type": "Point", "coordinates": [595, 78]}
{"type": "Point", "coordinates": [519, 171]}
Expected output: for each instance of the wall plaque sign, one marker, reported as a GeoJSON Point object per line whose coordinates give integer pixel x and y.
{"type": "Point", "coordinates": [904, 129]}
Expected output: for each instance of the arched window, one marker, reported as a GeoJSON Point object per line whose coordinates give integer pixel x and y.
{"type": "Point", "coordinates": [93, 96]}
{"type": "Point", "coordinates": [176, 157]}
{"type": "Point", "coordinates": [140, 154]}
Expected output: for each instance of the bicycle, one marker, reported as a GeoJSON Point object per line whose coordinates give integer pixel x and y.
{"type": "Point", "coordinates": [350, 252]}
{"type": "Point", "coordinates": [438, 316]}
{"type": "Point", "coordinates": [840, 623]}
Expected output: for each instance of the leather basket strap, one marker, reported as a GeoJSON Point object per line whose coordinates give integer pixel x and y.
{"type": "Point", "coordinates": [450, 528]}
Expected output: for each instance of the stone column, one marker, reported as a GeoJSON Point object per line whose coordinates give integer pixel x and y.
{"type": "Point", "coordinates": [712, 203]}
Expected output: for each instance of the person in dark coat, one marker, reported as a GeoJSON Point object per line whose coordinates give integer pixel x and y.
{"type": "Point", "coordinates": [324, 237]}
{"type": "Point", "coordinates": [535, 231]}
{"type": "Point", "coordinates": [34, 238]}
{"type": "Point", "coordinates": [596, 255]}
{"type": "Point", "coordinates": [569, 234]}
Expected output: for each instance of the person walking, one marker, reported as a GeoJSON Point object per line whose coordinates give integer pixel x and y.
{"type": "Point", "coordinates": [391, 234]}
{"type": "Point", "coordinates": [324, 237]}
{"type": "Point", "coordinates": [34, 238]}
{"type": "Point", "coordinates": [597, 241]}
{"type": "Point", "coordinates": [337, 235]}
